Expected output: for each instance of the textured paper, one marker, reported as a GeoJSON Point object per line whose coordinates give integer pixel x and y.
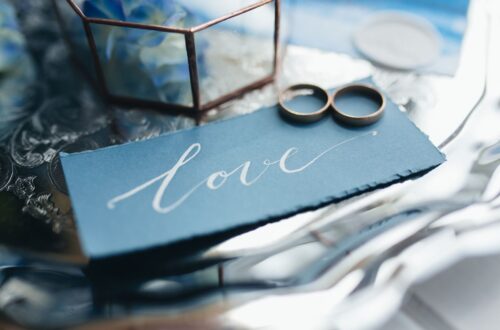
{"type": "Point", "coordinates": [265, 168]}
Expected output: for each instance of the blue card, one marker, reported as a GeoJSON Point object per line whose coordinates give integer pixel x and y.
{"type": "Point", "coordinates": [244, 171]}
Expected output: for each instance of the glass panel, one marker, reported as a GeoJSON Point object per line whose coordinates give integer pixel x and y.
{"type": "Point", "coordinates": [236, 52]}
{"type": "Point", "coordinates": [206, 11]}
{"type": "Point", "coordinates": [158, 12]}
{"type": "Point", "coordinates": [144, 64]}
{"type": "Point", "coordinates": [173, 13]}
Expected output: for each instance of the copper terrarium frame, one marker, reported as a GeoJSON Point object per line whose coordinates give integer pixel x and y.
{"type": "Point", "coordinates": [189, 34]}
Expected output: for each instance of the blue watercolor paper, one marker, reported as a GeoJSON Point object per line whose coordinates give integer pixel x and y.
{"type": "Point", "coordinates": [330, 24]}
{"type": "Point", "coordinates": [113, 190]}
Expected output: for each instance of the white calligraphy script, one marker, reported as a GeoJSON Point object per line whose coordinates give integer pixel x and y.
{"type": "Point", "coordinates": [217, 179]}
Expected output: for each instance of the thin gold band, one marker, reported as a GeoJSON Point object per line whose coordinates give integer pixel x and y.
{"type": "Point", "coordinates": [301, 116]}
{"type": "Point", "coordinates": [359, 120]}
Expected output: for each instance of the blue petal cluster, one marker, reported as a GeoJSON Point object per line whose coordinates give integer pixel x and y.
{"type": "Point", "coordinates": [11, 40]}
{"type": "Point", "coordinates": [16, 69]}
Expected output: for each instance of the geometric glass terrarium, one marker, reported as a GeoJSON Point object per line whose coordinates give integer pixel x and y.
{"type": "Point", "coordinates": [183, 55]}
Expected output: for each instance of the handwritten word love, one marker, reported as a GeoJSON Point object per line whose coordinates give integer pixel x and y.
{"type": "Point", "coordinates": [217, 179]}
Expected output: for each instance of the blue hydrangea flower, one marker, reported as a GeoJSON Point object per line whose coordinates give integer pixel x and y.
{"type": "Point", "coordinates": [144, 63]}
{"type": "Point", "coordinates": [12, 43]}
{"type": "Point", "coordinates": [17, 71]}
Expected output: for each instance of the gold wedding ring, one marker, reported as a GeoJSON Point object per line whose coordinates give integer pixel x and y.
{"type": "Point", "coordinates": [304, 90]}
{"type": "Point", "coordinates": [367, 91]}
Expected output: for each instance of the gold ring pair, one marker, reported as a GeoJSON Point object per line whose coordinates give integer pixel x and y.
{"type": "Point", "coordinates": [308, 117]}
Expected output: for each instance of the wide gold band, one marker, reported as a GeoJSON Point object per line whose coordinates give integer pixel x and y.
{"type": "Point", "coordinates": [303, 116]}
{"type": "Point", "coordinates": [359, 120]}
